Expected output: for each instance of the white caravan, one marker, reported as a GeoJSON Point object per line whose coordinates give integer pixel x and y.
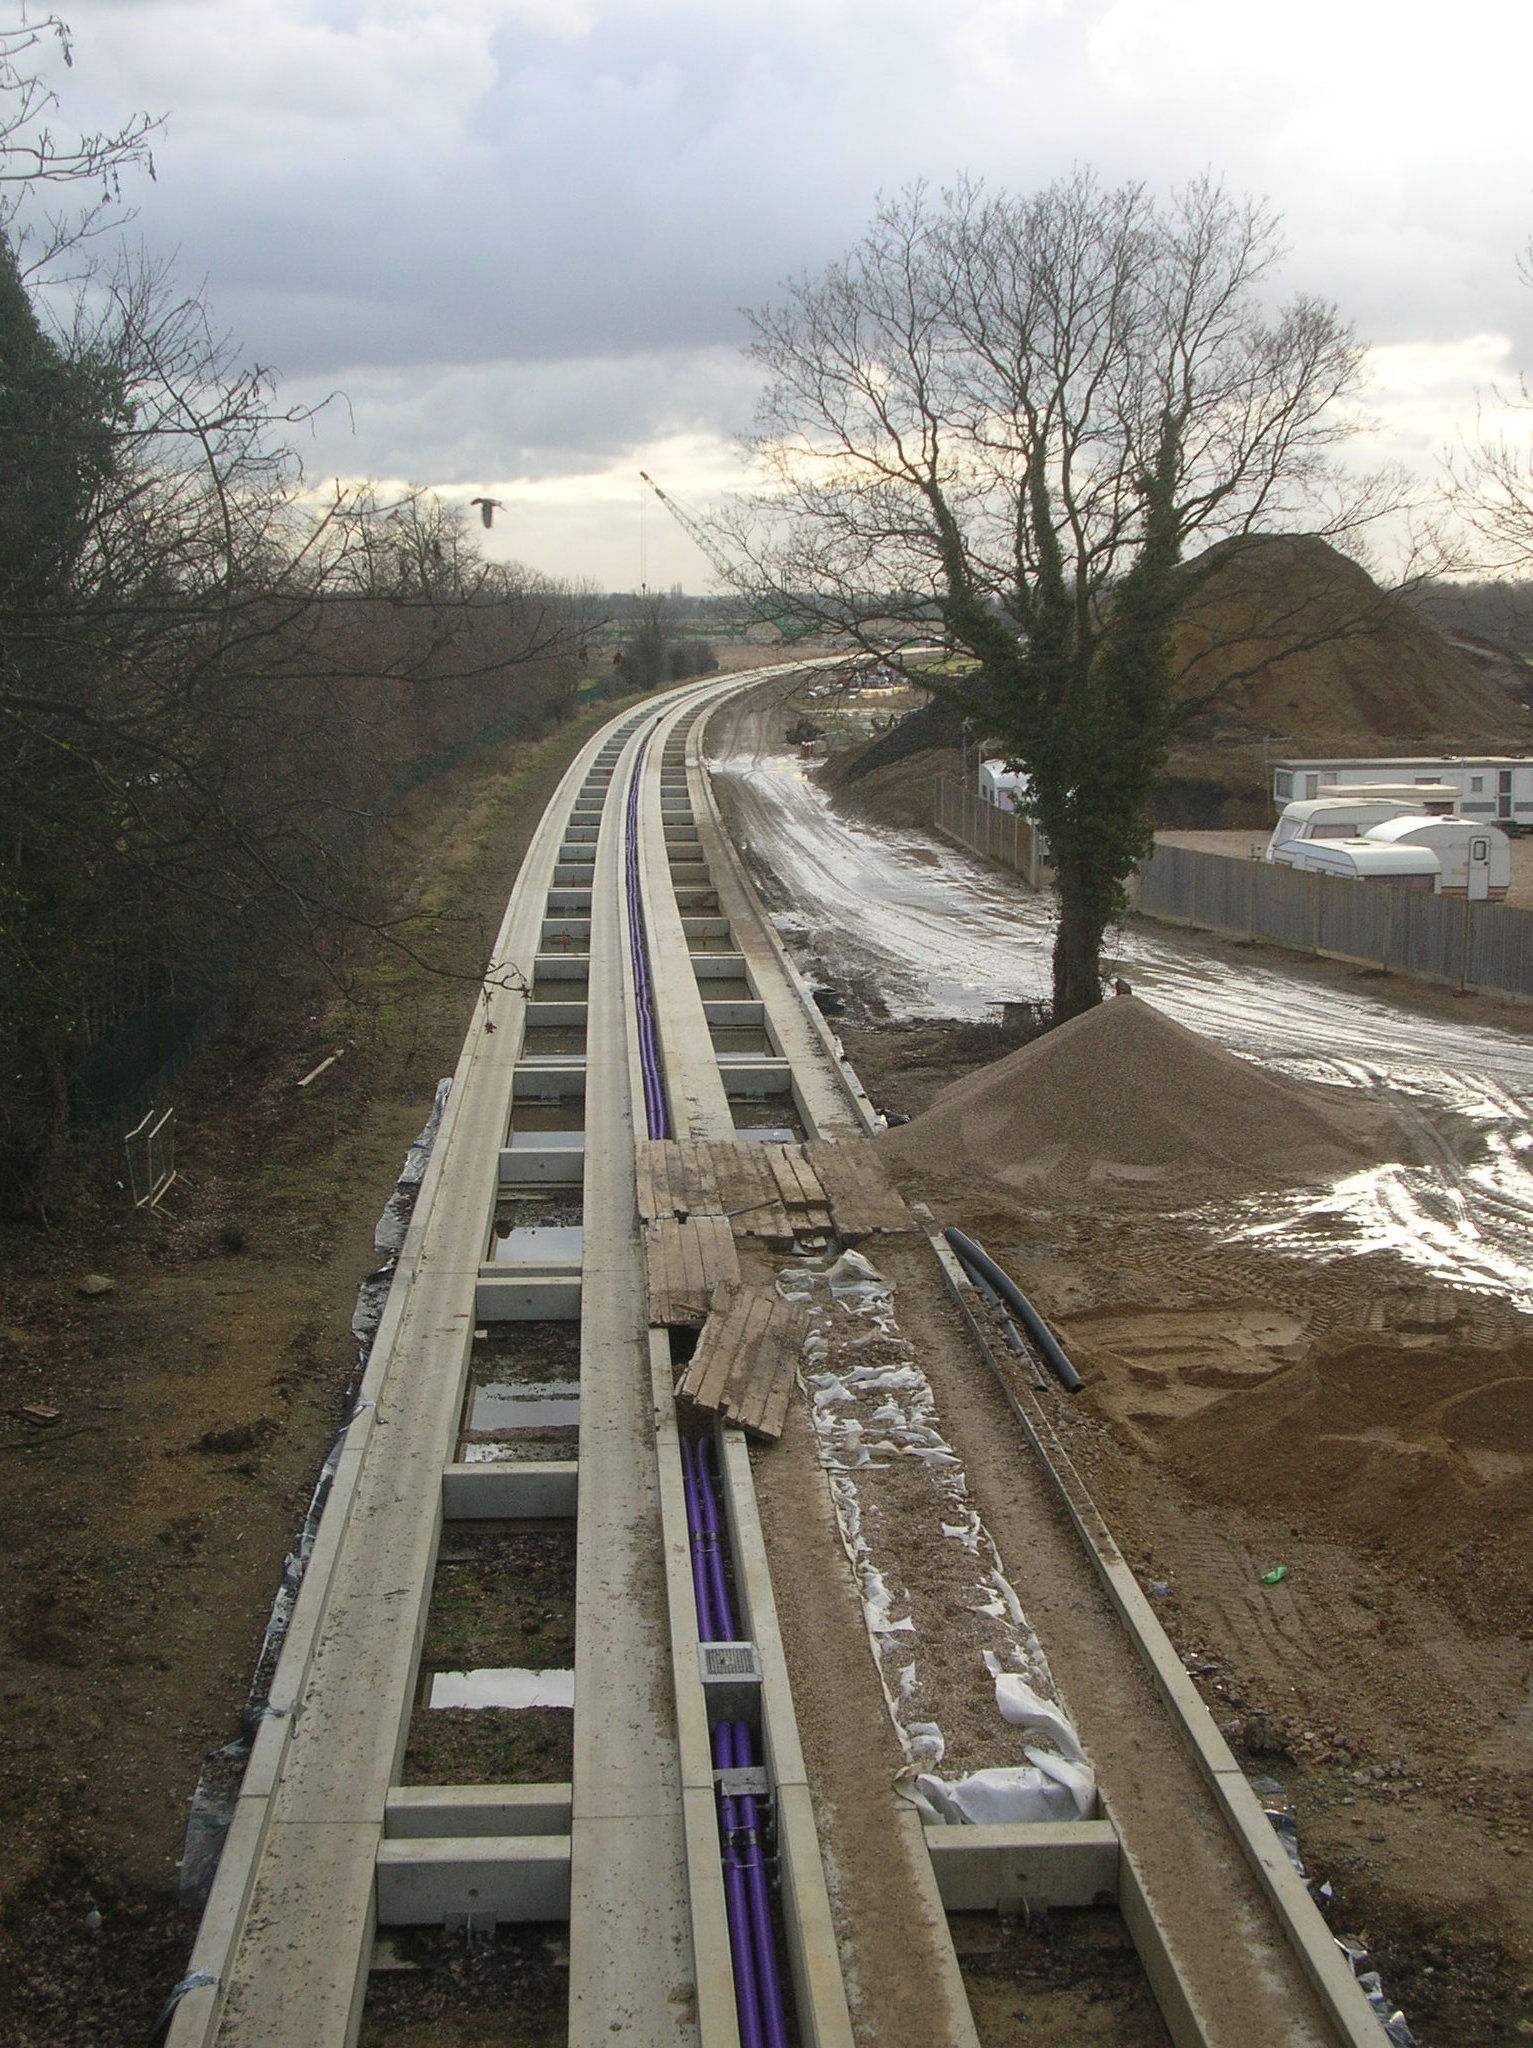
{"type": "Point", "coordinates": [1475, 859]}
{"type": "Point", "coordinates": [1006, 788]}
{"type": "Point", "coordinates": [1365, 860]}
{"type": "Point", "coordinates": [1330, 817]}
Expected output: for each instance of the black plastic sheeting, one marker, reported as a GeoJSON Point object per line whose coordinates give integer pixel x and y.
{"type": "Point", "coordinates": [1276, 1806]}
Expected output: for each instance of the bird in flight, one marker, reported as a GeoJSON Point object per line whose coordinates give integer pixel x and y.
{"type": "Point", "coordinates": [488, 507]}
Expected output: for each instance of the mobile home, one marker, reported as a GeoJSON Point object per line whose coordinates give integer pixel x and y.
{"type": "Point", "coordinates": [1498, 787]}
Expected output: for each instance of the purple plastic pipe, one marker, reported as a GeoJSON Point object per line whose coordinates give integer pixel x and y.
{"type": "Point", "coordinates": [774, 2027]}
{"type": "Point", "coordinates": [656, 1119]}
{"type": "Point", "coordinates": [695, 1531]}
{"type": "Point", "coordinates": [736, 1903]}
{"type": "Point", "coordinates": [723, 1608]}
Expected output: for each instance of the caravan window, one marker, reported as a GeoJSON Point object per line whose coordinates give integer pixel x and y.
{"type": "Point", "coordinates": [1282, 783]}
{"type": "Point", "coordinates": [1476, 784]}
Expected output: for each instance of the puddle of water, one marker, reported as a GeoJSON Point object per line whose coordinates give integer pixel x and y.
{"type": "Point", "coordinates": [529, 1404]}
{"type": "Point", "coordinates": [538, 1123]}
{"type": "Point", "coordinates": [504, 1688]}
{"type": "Point", "coordinates": [555, 1245]}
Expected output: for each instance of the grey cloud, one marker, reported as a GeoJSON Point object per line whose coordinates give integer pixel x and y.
{"type": "Point", "coordinates": [457, 424]}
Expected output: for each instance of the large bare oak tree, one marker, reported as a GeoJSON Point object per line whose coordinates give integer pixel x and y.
{"type": "Point", "coordinates": [1019, 424]}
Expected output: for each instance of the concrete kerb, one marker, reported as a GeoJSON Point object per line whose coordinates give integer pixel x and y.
{"type": "Point", "coordinates": [1300, 1918]}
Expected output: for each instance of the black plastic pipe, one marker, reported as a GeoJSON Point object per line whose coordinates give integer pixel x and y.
{"type": "Point", "coordinates": [980, 1263]}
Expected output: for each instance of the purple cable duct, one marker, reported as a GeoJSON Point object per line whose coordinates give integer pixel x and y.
{"type": "Point", "coordinates": [695, 1531]}
{"type": "Point", "coordinates": [713, 1552]}
{"type": "Point", "coordinates": [649, 1058]}
{"type": "Point", "coordinates": [736, 1903]}
{"type": "Point", "coordinates": [774, 2027]}
{"type": "Point", "coordinates": [752, 1945]}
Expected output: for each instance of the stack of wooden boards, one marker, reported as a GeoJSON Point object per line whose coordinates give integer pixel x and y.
{"type": "Point", "coordinates": [695, 1200]}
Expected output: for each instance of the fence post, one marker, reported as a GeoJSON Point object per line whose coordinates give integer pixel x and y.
{"type": "Point", "coordinates": [1251, 907]}
{"type": "Point", "coordinates": [1389, 928]}
{"type": "Point", "coordinates": [1463, 953]}
{"type": "Point", "coordinates": [1314, 914]}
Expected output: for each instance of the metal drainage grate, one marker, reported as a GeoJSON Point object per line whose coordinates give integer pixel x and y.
{"type": "Point", "coordinates": [729, 1660]}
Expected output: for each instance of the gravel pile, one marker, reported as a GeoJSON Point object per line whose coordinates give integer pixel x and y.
{"type": "Point", "coordinates": [1121, 1098]}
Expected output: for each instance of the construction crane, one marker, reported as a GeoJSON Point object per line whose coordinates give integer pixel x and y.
{"type": "Point", "coordinates": [718, 561]}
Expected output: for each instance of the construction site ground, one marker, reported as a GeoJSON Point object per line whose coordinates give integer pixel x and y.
{"type": "Point", "coordinates": [1355, 1420]}
{"type": "Point", "coordinates": [1242, 1410]}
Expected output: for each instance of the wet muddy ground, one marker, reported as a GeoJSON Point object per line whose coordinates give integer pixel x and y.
{"type": "Point", "coordinates": [1337, 1380]}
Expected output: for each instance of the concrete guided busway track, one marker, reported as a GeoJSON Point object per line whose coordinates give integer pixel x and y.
{"type": "Point", "coordinates": [637, 995]}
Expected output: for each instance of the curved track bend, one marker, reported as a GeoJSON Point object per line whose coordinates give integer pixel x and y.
{"type": "Point", "coordinates": [561, 1097]}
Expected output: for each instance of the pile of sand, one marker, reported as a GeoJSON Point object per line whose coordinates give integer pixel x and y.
{"type": "Point", "coordinates": [1121, 1099]}
{"type": "Point", "coordinates": [1307, 645]}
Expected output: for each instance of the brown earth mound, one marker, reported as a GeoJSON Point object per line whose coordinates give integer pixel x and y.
{"type": "Point", "coordinates": [1308, 646]}
{"type": "Point", "coordinates": [1124, 1098]}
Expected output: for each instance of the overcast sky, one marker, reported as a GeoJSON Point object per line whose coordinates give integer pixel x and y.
{"type": "Point", "coordinates": [517, 233]}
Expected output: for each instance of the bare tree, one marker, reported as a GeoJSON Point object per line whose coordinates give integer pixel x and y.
{"type": "Point", "coordinates": [1490, 480]}
{"type": "Point", "coordinates": [1020, 425]}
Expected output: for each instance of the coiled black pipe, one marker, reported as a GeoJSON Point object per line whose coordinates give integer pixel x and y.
{"type": "Point", "coordinates": [981, 1265]}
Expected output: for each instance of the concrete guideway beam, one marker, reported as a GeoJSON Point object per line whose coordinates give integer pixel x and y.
{"type": "Point", "coordinates": [414, 1811]}
{"type": "Point", "coordinates": [283, 1948]}
{"type": "Point", "coordinates": [473, 1880]}
{"type": "Point", "coordinates": [698, 1105]}
{"type": "Point", "coordinates": [1025, 1865]}
{"type": "Point", "coordinates": [1305, 1986]}
{"type": "Point", "coordinates": [631, 1965]}
{"type": "Point", "coordinates": [831, 1100]}
{"type": "Point", "coordinates": [531, 1490]}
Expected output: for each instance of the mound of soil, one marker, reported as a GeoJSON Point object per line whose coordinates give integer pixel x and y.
{"type": "Point", "coordinates": [1303, 643]}
{"type": "Point", "coordinates": [1123, 1098]}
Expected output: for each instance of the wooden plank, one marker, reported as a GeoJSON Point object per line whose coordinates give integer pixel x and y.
{"type": "Point", "coordinates": [862, 1197]}
{"type": "Point", "coordinates": [750, 1319]}
{"type": "Point", "coordinates": [781, 1168]}
{"type": "Point", "coordinates": [749, 1195]}
{"type": "Point", "coordinates": [718, 1333]}
{"type": "Point", "coordinates": [709, 1200]}
{"type": "Point", "coordinates": [644, 1180]}
{"type": "Point", "coordinates": [665, 1198]}
{"type": "Point", "coordinates": [693, 1288]}
{"type": "Point", "coordinates": [766, 1377]}
{"type": "Point", "coordinates": [811, 1192]}
{"type": "Point", "coordinates": [720, 1260]}
{"type": "Point", "coordinates": [774, 1410]}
